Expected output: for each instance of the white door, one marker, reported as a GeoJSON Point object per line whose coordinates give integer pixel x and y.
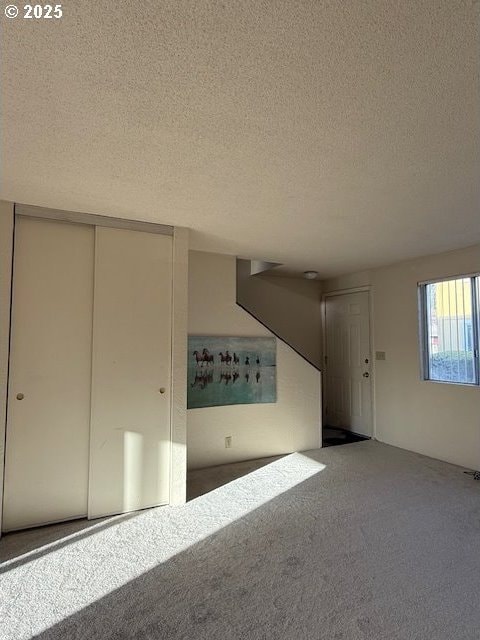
{"type": "Point", "coordinates": [46, 461]}
{"type": "Point", "coordinates": [348, 364]}
{"type": "Point", "coordinates": [130, 423]}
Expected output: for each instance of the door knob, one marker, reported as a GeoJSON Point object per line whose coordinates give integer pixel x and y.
{"type": "Point", "coordinates": [162, 389]}
{"type": "Point", "coordinates": [20, 396]}
{"type": "Point", "coordinates": [366, 374]}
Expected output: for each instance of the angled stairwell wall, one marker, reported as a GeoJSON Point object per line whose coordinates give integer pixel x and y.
{"type": "Point", "coordinates": [292, 423]}
{"type": "Point", "coordinates": [289, 307]}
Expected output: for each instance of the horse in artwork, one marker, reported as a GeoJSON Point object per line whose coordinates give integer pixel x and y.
{"type": "Point", "coordinates": [207, 356]}
{"type": "Point", "coordinates": [225, 358]}
{"type": "Point", "coordinates": [198, 357]}
{"type": "Point", "coordinates": [203, 358]}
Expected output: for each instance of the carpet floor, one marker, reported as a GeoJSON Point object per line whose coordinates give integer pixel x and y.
{"type": "Point", "coordinates": [363, 541]}
{"type": "Point", "coordinates": [201, 481]}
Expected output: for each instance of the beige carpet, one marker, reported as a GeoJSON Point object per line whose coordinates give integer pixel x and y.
{"type": "Point", "coordinates": [201, 481]}
{"type": "Point", "coordinates": [362, 541]}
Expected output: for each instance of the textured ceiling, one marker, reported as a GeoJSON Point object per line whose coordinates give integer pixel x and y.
{"type": "Point", "coordinates": [333, 135]}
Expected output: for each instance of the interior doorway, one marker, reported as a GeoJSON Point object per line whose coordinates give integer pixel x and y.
{"type": "Point", "coordinates": [348, 370]}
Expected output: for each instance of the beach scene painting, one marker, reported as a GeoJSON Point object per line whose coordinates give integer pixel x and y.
{"type": "Point", "coordinates": [229, 370]}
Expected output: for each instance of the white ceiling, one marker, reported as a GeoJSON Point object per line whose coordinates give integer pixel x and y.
{"type": "Point", "coordinates": [334, 135]}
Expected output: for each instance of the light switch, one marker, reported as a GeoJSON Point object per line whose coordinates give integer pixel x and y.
{"type": "Point", "coordinates": [380, 355]}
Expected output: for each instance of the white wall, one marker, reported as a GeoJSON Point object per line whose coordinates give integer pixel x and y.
{"type": "Point", "coordinates": [438, 420]}
{"type": "Point", "coordinates": [290, 307]}
{"type": "Point", "coordinates": [258, 430]}
{"type": "Point", "coordinates": [350, 281]}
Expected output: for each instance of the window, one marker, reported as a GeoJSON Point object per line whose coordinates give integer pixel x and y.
{"type": "Point", "coordinates": [449, 319]}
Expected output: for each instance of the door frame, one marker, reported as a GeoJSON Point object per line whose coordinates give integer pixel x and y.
{"type": "Point", "coordinates": [178, 389]}
{"type": "Point", "coordinates": [343, 292]}
{"type": "Point", "coordinates": [6, 258]}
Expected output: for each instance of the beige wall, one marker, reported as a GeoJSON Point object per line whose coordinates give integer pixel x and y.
{"type": "Point", "coordinates": [291, 424]}
{"type": "Point", "coordinates": [290, 307]}
{"type": "Point", "coordinates": [350, 281]}
{"type": "Point", "coordinates": [438, 420]}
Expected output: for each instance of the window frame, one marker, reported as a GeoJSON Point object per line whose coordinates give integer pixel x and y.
{"type": "Point", "coordinates": [423, 327]}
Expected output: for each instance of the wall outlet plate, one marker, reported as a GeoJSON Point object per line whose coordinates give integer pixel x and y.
{"type": "Point", "coordinates": [228, 442]}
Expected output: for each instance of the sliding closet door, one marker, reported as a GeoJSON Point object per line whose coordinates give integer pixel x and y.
{"type": "Point", "coordinates": [130, 423]}
{"type": "Point", "coordinates": [46, 463]}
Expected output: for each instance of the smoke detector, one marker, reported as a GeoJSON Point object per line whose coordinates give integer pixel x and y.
{"type": "Point", "coordinates": [310, 275]}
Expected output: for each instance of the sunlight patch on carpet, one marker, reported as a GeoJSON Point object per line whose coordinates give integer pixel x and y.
{"type": "Point", "coordinates": [40, 592]}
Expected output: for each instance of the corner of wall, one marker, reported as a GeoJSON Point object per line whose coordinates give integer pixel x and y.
{"type": "Point", "coordinates": [178, 474]}
{"type": "Point", "coordinates": [289, 307]}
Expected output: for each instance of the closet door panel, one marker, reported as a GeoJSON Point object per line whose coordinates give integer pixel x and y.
{"type": "Point", "coordinates": [130, 422]}
{"type": "Point", "coordinates": [46, 463]}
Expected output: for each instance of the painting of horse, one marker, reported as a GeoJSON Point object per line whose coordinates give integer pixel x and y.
{"type": "Point", "coordinates": [225, 370]}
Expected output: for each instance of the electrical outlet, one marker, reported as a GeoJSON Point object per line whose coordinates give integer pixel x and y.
{"type": "Point", "coordinates": [228, 442]}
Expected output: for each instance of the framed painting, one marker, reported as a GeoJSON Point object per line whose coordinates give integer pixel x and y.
{"type": "Point", "coordinates": [224, 370]}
